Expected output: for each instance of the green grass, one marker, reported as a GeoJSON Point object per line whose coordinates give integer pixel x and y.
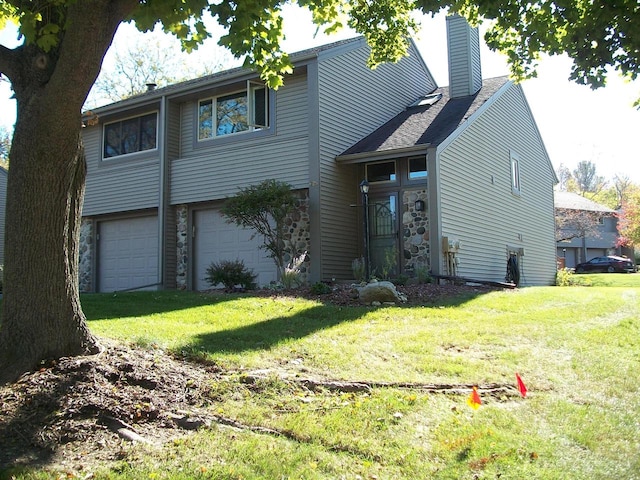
{"type": "Point", "coordinates": [608, 279]}
{"type": "Point", "coordinates": [577, 349]}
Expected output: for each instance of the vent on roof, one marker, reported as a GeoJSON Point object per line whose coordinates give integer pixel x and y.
{"type": "Point", "coordinates": [427, 100]}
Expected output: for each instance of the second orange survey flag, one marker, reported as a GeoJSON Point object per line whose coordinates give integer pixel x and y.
{"type": "Point", "coordinates": [474, 400]}
{"type": "Point", "coordinates": [522, 388]}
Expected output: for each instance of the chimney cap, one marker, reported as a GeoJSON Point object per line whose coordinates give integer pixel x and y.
{"type": "Point", "coordinates": [151, 86]}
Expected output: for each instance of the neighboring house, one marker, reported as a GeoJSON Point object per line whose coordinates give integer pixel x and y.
{"type": "Point", "coordinates": [586, 229]}
{"type": "Point", "coordinates": [3, 209]}
{"type": "Point", "coordinates": [465, 164]}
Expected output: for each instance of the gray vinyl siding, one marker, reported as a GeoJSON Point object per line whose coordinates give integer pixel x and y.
{"type": "Point", "coordinates": [353, 101]}
{"type": "Point", "coordinates": [118, 184]}
{"type": "Point", "coordinates": [478, 206]}
{"type": "Point", "coordinates": [217, 171]}
{"type": "Point", "coordinates": [465, 75]}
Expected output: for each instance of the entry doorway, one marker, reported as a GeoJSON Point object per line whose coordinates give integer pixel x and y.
{"type": "Point", "coordinates": [384, 235]}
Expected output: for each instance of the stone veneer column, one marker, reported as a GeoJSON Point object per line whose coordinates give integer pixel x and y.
{"type": "Point", "coordinates": [298, 233]}
{"type": "Point", "coordinates": [415, 225]}
{"type": "Point", "coordinates": [182, 253]}
{"type": "Point", "coordinates": [85, 265]}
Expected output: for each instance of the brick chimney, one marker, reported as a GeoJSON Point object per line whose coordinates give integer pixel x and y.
{"type": "Point", "coordinates": [463, 42]}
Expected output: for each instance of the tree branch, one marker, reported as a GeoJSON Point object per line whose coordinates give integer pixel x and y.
{"type": "Point", "coordinates": [9, 64]}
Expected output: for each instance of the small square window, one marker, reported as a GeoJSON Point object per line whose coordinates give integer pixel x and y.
{"type": "Point", "coordinates": [381, 172]}
{"type": "Point", "coordinates": [417, 168]}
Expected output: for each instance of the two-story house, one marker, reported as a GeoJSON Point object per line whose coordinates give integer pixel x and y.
{"type": "Point", "coordinates": [585, 229]}
{"type": "Point", "coordinates": [459, 179]}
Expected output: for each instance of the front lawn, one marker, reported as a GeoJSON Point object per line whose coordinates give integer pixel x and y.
{"type": "Point", "coordinates": [576, 348]}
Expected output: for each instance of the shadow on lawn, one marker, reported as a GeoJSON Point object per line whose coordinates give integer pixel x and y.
{"type": "Point", "coordinates": [268, 333]}
{"type": "Point", "coordinates": [138, 304]}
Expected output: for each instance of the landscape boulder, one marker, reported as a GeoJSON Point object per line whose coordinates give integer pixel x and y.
{"type": "Point", "coordinates": [377, 293]}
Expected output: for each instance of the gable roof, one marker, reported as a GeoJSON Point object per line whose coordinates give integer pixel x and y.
{"type": "Point", "coordinates": [427, 125]}
{"type": "Point", "coordinates": [573, 201]}
{"type": "Point", "coordinates": [178, 88]}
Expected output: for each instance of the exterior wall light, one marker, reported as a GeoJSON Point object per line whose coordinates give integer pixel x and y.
{"type": "Point", "coordinates": [364, 190]}
{"type": "Point", "coordinates": [419, 205]}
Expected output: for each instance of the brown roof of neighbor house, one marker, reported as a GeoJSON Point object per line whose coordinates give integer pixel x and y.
{"type": "Point", "coordinates": [573, 201]}
{"type": "Point", "coordinates": [426, 124]}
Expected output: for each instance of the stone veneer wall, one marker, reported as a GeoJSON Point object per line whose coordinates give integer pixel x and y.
{"type": "Point", "coordinates": [85, 266]}
{"type": "Point", "coordinates": [415, 226]}
{"type": "Point", "coordinates": [298, 234]}
{"type": "Point", "coordinates": [182, 254]}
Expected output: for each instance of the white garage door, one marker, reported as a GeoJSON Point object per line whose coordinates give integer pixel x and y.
{"type": "Point", "coordinates": [127, 254]}
{"type": "Point", "coordinates": [217, 240]}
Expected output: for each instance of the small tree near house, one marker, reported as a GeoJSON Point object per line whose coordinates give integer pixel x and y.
{"type": "Point", "coordinates": [264, 208]}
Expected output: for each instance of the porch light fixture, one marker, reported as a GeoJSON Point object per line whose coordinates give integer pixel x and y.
{"type": "Point", "coordinates": [419, 205]}
{"type": "Point", "coordinates": [364, 190]}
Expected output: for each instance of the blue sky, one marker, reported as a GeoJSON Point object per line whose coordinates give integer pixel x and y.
{"type": "Point", "coordinates": [576, 123]}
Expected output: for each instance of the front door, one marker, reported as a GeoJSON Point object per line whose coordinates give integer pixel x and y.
{"type": "Point", "coordinates": [384, 235]}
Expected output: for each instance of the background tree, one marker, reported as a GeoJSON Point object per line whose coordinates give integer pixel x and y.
{"type": "Point", "coordinates": [5, 146]}
{"type": "Point", "coordinates": [156, 60]}
{"type": "Point", "coordinates": [264, 209]}
{"type": "Point", "coordinates": [572, 224]}
{"type": "Point", "coordinates": [565, 179]}
{"type": "Point", "coordinates": [623, 187]}
{"type": "Point", "coordinates": [65, 42]}
{"type": "Point", "coordinates": [629, 221]}
{"type": "Point", "coordinates": [587, 180]}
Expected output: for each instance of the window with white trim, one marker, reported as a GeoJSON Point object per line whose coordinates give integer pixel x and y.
{"type": "Point", "coordinates": [242, 111]}
{"type": "Point", "coordinates": [131, 135]}
{"type": "Point", "coordinates": [515, 173]}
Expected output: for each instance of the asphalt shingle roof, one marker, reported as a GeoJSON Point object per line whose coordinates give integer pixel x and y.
{"type": "Point", "coordinates": [573, 201]}
{"type": "Point", "coordinates": [426, 124]}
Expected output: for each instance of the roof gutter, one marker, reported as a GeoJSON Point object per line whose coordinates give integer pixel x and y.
{"type": "Point", "coordinates": [383, 155]}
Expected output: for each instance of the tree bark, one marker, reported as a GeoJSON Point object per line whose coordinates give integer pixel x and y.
{"type": "Point", "coordinates": [42, 316]}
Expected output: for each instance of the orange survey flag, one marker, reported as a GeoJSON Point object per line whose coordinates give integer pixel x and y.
{"type": "Point", "coordinates": [522, 388]}
{"type": "Point", "coordinates": [474, 400]}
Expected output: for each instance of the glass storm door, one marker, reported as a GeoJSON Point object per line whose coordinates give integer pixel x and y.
{"type": "Point", "coordinates": [383, 235]}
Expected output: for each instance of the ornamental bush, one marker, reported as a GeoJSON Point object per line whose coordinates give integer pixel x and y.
{"type": "Point", "coordinates": [232, 274]}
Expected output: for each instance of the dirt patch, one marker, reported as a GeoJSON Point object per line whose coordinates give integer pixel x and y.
{"type": "Point", "coordinates": [80, 412]}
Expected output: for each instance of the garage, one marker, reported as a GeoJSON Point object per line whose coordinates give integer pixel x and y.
{"type": "Point", "coordinates": [216, 240]}
{"type": "Point", "coordinates": [128, 254]}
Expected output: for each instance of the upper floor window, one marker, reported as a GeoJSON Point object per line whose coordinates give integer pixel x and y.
{"type": "Point", "coordinates": [241, 111]}
{"type": "Point", "coordinates": [515, 173]}
{"type": "Point", "coordinates": [132, 135]}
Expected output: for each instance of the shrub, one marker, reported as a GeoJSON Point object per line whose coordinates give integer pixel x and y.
{"type": "Point", "coordinates": [422, 274]}
{"type": "Point", "coordinates": [292, 274]}
{"type": "Point", "coordinates": [230, 273]}
{"type": "Point", "coordinates": [401, 279]}
{"type": "Point", "coordinates": [357, 267]}
{"type": "Point", "coordinates": [320, 288]}
{"type": "Point", "coordinates": [566, 278]}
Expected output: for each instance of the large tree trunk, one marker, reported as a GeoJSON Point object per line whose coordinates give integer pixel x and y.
{"type": "Point", "coordinates": [41, 316]}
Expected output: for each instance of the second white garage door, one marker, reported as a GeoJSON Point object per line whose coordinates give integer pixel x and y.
{"type": "Point", "coordinates": [127, 253]}
{"type": "Point", "coordinates": [217, 240]}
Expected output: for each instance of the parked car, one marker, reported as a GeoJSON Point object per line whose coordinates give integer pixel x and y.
{"type": "Point", "coordinates": [609, 264]}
